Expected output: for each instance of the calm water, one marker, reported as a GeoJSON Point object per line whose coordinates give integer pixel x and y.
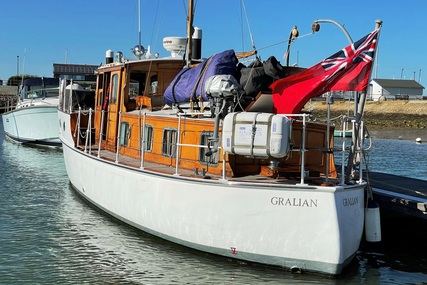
{"type": "Point", "coordinates": [48, 235]}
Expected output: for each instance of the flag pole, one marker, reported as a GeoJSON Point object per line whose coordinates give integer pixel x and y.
{"type": "Point", "coordinates": [359, 108]}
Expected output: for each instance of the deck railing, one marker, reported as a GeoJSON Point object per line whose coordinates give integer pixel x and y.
{"type": "Point", "coordinates": [89, 129]}
{"type": "Point", "coordinates": [67, 106]}
{"type": "Point", "coordinates": [86, 132]}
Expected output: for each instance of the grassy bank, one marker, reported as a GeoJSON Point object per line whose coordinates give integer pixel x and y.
{"type": "Point", "coordinates": [387, 119]}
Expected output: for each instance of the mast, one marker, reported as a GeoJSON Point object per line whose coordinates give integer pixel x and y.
{"type": "Point", "coordinates": [139, 50]}
{"type": "Point", "coordinates": [190, 17]}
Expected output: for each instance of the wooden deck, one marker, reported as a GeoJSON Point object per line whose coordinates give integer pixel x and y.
{"type": "Point", "coordinates": [293, 179]}
{"type": "Point", "coordinates": [400, 195]}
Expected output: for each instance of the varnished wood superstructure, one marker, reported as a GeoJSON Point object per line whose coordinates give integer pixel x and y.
{"type": "Point", "coordinates": [130, 119]}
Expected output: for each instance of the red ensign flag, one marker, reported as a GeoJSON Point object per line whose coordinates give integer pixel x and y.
{"type": "Point", "coordinates": [347, 70]}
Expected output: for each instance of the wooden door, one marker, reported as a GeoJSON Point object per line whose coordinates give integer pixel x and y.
{"type": "Point", "coordinates": [113, 108]}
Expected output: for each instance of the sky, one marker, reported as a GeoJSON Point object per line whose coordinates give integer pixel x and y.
{"type": "Point", "coordinates": [35, 34]}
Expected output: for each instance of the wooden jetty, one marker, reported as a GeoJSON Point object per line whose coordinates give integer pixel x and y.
{"type": "Point", "coordinates": [8, 97]}
{"type": "Point", "coordinates": [400, 195]}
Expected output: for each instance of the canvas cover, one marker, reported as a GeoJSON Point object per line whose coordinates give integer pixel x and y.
{"type": "Point", "coordinates": [189, 84]}
{"type": "Point", "coordinates": [254, 80]}
{"type": "Point", "coordinates": [259, 75]}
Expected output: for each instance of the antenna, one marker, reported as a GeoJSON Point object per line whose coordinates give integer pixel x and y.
{"type": "Point", "coordinates": [139, 22]}
{"type": "Point", "coordinates": [139, 50]}
{"type": "Point", "coordinates": [23, 65]}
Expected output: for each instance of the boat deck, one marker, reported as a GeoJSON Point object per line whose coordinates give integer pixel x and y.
{"type": "Point", "coordinates": [292, 179]}
{"type": "Point", "coordinates": [400, 195]}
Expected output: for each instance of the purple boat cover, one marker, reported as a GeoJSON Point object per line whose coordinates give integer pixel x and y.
{"type": "Point", "coordinates": [189, 83]}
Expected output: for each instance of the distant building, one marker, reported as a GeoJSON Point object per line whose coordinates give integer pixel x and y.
{"type": "Point", "coordinates": [395, 89]}
{"type": "Point", "coordinates": [84, 73]}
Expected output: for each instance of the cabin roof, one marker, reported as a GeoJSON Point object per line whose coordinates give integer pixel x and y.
{"type": "Point", "coordinates": [141, 61]}
{"type": "Point", "coordinates": [398, 83]}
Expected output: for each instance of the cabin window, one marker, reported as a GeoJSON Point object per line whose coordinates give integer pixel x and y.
{"type": "Point", "coordinates": [148, 138]}
{"type": "Point", "coordinates": [169, 142]}
{"type": "Point", "coordinates": [133, 89]}
{"type": "Point", "coordinates": [124, 134]}
{"type": "Point", "coordinates": [100, 85]}
{"type": "Point", "coordinates": [153, 85]}
{"type": "Point", "coordinates": [99, 98]}
{"type": "Point", "coordinates": [137, 83]}
{"type": "Point", "coordinates": [39, 91]}
{"type": "Point", "coordinates": [203, 158]}
{"type": "Point", "coordinates": [114, 88]}
{"type": "Point", "coordinates": [142, 83]}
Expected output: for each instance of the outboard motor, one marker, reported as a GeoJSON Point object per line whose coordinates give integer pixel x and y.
{"type": "Point", "coordinates": [223, 91]}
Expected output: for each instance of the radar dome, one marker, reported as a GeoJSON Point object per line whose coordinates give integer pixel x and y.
{"type": "Point", "coordinates": [175, 45]}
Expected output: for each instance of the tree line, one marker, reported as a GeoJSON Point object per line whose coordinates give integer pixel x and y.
{"type": "Point", "coordinates": [15, 80]}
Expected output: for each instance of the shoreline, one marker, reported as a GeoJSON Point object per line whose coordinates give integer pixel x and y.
{"type": "Point", "coordinates": [401, 120]}
{"type": "Point", "coordinates": [400, 134]}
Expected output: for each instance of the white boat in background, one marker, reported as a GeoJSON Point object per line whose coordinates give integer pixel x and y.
{"type": "Point", "coordinates": [342, 134]}
{"type": "Point", "coordinates": [34, 120]}
{"type": "Point", "coordinates": [194, 164]}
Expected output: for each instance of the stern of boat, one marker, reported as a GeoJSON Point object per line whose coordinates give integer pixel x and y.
{"type": "Point", "coordinates": [74, 118]}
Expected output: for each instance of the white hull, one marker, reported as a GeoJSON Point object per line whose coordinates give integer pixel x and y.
{"type": "Point", "coordinates": [304, 227]}
{"type": "Point", "coordinates": [35, 123]}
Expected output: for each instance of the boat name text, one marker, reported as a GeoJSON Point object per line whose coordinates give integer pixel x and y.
{"type": "Point", "coordinates": [293, 202]}
{"type": "Point", "coordinates": [350, 201]}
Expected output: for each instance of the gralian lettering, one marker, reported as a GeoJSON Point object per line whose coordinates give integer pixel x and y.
{"type": "Point", "coordinates": [350, 201]}
{"type": "Point", "coordinates": [293, 202]}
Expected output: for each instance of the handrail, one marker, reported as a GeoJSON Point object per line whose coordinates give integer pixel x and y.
{"type": "Point", "coordinates": [100, 133]}
{"type": "Point", "coordinates": [360, 151]}
{"type": "Point", "coordinates": [142, 138]}
{"type": "Point", "coordinates": [303, 150]}
{"type": "Point", "coordinates": [88, 141]}
{"type": "Point", "coordinates": [178, 144]}
{"type": "Point", "coordinates": [118, 137]}
{"type": "Point", "coordinates": [344, 129]}
{"type": "Point", "coordinates": [70, 99]}
{"type": "Point", "coordinates": [78, 126]}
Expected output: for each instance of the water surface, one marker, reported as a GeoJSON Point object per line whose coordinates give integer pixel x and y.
{"type": "Point", "coordinates": [48, 235]}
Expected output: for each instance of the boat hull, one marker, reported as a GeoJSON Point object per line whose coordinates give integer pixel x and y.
{"type": "Point", "coordinates": [36, 124]}
{"type": "Point", "coordinates": [297, 227]}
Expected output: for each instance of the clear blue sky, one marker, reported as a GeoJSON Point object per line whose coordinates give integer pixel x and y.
{"type": "Point", "coordinates": [80, 31]}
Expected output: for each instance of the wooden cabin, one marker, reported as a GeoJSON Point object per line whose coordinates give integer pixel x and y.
{"type": "Point", "coordinates": [130, 113]}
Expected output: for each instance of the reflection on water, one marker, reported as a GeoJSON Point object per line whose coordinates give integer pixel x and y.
{"type": "Point", "coordinates": [399, 157]}
{"type": "Point", "coordinates": [48, 235]}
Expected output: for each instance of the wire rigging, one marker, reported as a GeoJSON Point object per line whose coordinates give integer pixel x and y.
{"type": "Point", "coordinates": [285, 41]}
{"type": "Point", "coordinates": [249, 27]}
